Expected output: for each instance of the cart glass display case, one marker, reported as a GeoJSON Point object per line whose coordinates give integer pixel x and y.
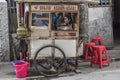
{"type": "Point", "coordinates": [59, 20]}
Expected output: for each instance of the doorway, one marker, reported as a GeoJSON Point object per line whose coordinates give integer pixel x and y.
{"type": "Point", "coordinates": [116, 23]}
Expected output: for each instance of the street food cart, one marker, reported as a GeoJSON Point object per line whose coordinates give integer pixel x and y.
{"type": "Point", "coordinates": [51, 28]}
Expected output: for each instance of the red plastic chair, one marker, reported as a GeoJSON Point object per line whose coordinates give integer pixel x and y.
{"type": "Point", "coordinates": [87, 46]}
{"type": "Point", "coordinates": [97, 38]}
{"type": "Point", "coordinates": [97, 57]}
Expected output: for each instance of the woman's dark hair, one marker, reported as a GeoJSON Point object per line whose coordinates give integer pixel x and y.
{"type": "Point", "coordinates": [69, 17]}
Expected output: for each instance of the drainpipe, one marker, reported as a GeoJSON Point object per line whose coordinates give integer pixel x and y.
{"type": "Point", "coordinates": [21, 7]}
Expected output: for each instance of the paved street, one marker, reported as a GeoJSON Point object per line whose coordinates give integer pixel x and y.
{"type": "Point", "coordinates": [102, 75]}
{"type": "Point", "coordinates": [88, 73]}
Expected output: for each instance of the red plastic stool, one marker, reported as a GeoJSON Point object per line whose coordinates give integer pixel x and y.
{"type": "Point", "coordinates": [97, 38]}
{"type": "Point", "coordinates": [87, 46]}
{"type": "Point", "coordinates": [97, 57]}
{"type": "Point", "coordinates": [94, 57]}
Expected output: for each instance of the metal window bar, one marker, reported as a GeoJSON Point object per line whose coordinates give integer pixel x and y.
{"type": "Point", "coordinates": [102, 3]}
{"type": "Point", "coordinates": [105, 2]}
{"type": "Point", "coordinates": [12, 16]}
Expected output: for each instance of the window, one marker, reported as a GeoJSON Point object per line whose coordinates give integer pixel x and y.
{"type": "Point", "coordinates": [40, 20]}
{"type": "Point", "coordinates": [55, 20]}
{"type": "Point", "coordinates": [64, 21]}
{"type": "Point", "coordinates": [102, 3]}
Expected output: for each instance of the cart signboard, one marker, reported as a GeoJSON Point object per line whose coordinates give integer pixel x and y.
{"type": "Point", "coordinates": [54, 8]}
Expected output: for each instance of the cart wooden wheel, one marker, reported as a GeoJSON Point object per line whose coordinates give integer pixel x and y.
{"type": "Point", "coordinates": [50, 61]}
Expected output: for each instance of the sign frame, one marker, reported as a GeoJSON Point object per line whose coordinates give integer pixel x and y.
{"type": "Point", "coordinates": [54, 8]}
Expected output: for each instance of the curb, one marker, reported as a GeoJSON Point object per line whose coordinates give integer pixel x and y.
{"type": "Point", "coordinates": [114, 59]}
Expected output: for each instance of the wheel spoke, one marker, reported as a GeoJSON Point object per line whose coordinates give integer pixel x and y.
{"type": "Point", "coordinates": [50, 65]}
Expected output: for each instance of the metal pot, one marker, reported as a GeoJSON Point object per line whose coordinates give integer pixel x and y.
{"type": "Point", "coordinates": [22, 31]}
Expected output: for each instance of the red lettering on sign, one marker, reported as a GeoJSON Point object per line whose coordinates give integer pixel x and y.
{"type": "Point", "coordinates": [36, 7]}
{"type": "Point", "coordinates": [59, 8]}
{"type": "Point", "coordinates": [72, 8]}
{"type": "Point", "coordinates": [42, 8]}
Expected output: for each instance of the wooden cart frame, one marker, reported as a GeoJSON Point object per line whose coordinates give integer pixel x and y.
{"type": "Point", "coordinates": [44, 36]}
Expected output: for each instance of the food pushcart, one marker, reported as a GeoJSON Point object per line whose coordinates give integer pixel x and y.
{"type": "Point", "coordinates": [51, 28]}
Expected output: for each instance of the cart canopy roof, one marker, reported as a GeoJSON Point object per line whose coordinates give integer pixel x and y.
{"type": "Point", "coordinates": [66, 1]}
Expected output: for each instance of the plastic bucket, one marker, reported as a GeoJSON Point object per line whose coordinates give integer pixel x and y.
{"type": "Point", "coordinates": [13, 62]}
{"type": "Point", "coordinates": [21, 69]}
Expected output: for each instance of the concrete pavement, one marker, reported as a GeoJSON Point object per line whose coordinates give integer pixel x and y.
{"type": "Point", "coordinates": [102, 75]}
{"type": "Point", "coordinates": [88, 73]}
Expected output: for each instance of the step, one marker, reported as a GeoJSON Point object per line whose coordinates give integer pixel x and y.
{"type": "Point", "coordinates": [114, 55]}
